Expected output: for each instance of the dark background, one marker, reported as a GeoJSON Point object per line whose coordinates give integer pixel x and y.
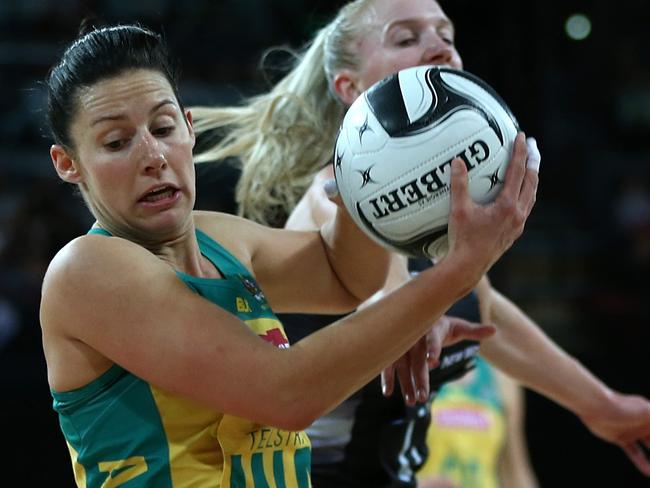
{"type": "Point", "coordinates": [580, 269]}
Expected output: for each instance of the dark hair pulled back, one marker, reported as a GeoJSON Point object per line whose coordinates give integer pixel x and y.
{"type": "Point", "coordinates": [98, 54]}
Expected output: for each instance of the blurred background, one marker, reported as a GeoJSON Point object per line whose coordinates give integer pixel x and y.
{"type": "Point", "coordinates": [575, 73]}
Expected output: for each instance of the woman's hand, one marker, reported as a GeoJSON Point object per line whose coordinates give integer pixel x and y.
{"type": "Point", "coordinates": [413, 367]}
{"type": "Point", "coordinates": [480, 234]}
{"type": "Point", "coordinates": [624, 421]}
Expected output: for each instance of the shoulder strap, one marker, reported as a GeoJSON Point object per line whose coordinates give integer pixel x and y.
{"type": "Point", "coordinates": [215, 252]}
{"type": "Point", "coordinates": [99, 231]}
{"type": "Point", "coordinates": [220, 256]}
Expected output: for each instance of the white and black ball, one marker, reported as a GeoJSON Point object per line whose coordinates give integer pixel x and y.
{"type": "Point", "coordinates": [395, 147]}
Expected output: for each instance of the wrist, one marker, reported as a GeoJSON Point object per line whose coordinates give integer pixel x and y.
{"type": "Point", "coordinates": [582, 392]}
{"type": "Point", "coordinates": [599, 403]}
{"type": "Point", "coordinates": [459, 275]}
{"type": "Point", "coordinates": [461, 270]}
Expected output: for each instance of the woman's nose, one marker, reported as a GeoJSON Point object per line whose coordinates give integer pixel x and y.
{"type": "Point", "coordinates": [437, 51]}
{"type": "Point", "coordinates": [152, 153]}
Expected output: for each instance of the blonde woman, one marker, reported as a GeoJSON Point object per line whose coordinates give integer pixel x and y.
{"type": "Point", "coordinates": [284, 141]}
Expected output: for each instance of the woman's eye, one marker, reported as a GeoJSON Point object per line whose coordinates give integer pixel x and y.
{"type": "Point", "coordinates": [403, 37]}
{"type": "Point", "coordinates": [406, 42]}
{"type": "Point", "coordinates": [114, 145]}
{"type": "Point", "coordinates": [163, 131]}
{"type": "Point", "coordinates": [447, 37]}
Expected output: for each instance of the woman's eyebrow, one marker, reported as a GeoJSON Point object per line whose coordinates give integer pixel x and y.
{"type": "Point", "coordinates": [112, 117]}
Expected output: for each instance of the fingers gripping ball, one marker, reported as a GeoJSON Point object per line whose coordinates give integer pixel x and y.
{"type": "Point", "coordinates": [395, 147]}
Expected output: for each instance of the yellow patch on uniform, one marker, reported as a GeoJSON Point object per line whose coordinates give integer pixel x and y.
{"type": "Point", "coordinates": [242, 305]}
{"type": "Point", "coordinates": [79, 471]}
{"type": "Point", "coordinates": [123, 470]}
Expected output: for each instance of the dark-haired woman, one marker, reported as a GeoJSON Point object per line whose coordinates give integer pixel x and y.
{"type": "Point", "coordinates": [166, 362]}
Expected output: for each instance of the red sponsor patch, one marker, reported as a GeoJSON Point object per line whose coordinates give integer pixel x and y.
{"type": "Point", "coordinates": [276, 337]}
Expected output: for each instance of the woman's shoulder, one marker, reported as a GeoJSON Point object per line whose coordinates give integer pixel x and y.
{"type": "Point", "coordinates": [94, 275]}
{"type": "Point", "coordinates": [89, 245]}
{"type": "Point", "coordinates": [93, 254]}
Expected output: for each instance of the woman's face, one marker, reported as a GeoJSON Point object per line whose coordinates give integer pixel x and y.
{"type": "Point", "coordinates": [133, 155]}
{"type": "Point", "coordinates": [402, 34]}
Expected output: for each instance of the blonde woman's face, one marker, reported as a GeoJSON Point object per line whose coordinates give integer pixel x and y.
{"type": "Point", "coordinates": [134, 148]}
{"type": "Point", "coordinates": [402, 34]}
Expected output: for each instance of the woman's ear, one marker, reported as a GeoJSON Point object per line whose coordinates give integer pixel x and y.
{"type": "Point", "coordinates": [190, 126]}
{"type": "Point", "coordinates": [66, 167]}
{"type": "Point", "coordinates": [346, 86]}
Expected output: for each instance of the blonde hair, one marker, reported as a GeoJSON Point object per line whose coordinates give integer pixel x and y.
{"type": "Point", "coordinates": [284, 137]}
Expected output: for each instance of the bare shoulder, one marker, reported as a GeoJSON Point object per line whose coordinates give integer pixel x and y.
{"type": "Point", "coordinates": [89, 266]}
{"type": "Point", "coordinates": [90, 255]}
{"type": "Point", "coordinates": [86, 282]}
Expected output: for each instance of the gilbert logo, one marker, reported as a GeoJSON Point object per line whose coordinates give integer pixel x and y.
{"type": "Point", "coordinates": [428, 185]}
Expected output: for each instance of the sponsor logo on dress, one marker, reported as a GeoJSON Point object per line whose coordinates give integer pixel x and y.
{"type": "Point", "coordinates": [276, 337]}
{"type": "Point", "coordinates": [253, 288]}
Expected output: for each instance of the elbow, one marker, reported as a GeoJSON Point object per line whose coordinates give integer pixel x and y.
{"type": "Point", "coordinates": [350, 303]}
{"type": "Point", "coordinates": [361, 291]}
{"type": "Point", "coordinates": [364, 294]}
{"type": "Point", "coordinates": [374, 281]}
{"type": "Point", "coordinates": [347, 299]}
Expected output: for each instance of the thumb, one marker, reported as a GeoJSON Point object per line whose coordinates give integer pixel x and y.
{"type": "Point", "coordinates": [331, 188]}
